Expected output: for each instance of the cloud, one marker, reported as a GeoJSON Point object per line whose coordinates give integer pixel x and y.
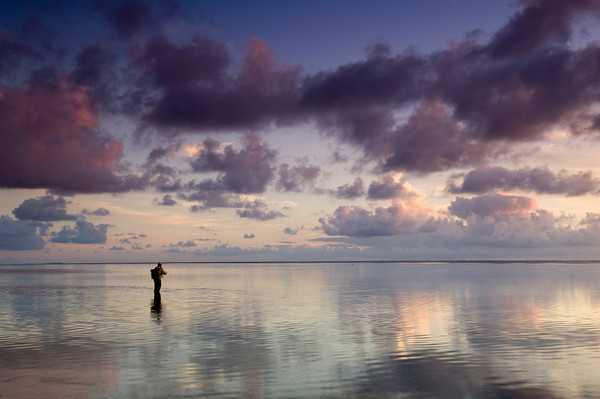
{"type": "Point", "coordinates": [48, 208]}
{"type": "Point", "coordinates": [159, 153]}
{"type": "Point", "coordinates": [539, 180]}
{"type": "Point", "coordinates": [389, 187]}
{"type": "Point", "coordinates": [491, 205]}
{"type": "Point", "coordinates": [244, 171]}
{"type": "Point", "coordinates": [83, 232]}
{"type": "Point", "coordinates": [488, 223]}
{"type": "Point", "coordinates": [355, 221]}
{"type": "Point", "coordinates": [457, 107]}
{"type": "Point", "coordinates": [167, 200]}
{"type": "Point", "coordinates": [196, 93]}
{"type": "Point", "coordinates": [17, 235]}
{"type": "Point", "coordinates": [298, 177]}
{"type": "Point", "coordinates": [54, 142]}
{"type": "Point", "coordinates": [96, 212]}
{"type": "Point", "coordinates": [170, 66]}
{"type": "Point", "coordinates": [338, 157]}
{"type": "Point", "coordinates": [258, 210]}
{"type": "Point", "coordinates": [539, 23]}
{"type": "Point", "coordinates": [182, 244]}
{"type": "Point", "coordinates": [466, 97]}
{"type": "Point", "coordinates": [95, 72]}
{"type": "Point", "coordinates": [249, 236]}
{"type": "Point", "coordinates": [350, 191]}
{"type": "Point", "coordinates": [291, 230]}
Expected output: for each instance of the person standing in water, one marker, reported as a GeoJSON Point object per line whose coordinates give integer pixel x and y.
{"type": "Point", "coordinates": [156, 275]}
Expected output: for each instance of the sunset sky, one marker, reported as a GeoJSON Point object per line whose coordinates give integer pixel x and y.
{"type": "Point", "coordinates": [288, 130]}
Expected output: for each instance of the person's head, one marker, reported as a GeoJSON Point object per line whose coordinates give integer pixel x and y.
{"type": "Point", "coordinates": [159, 265]}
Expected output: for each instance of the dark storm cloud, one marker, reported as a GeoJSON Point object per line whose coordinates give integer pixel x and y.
{"type": "Point", "coordinates": [96, 212]}
{"type": "Point", "coordinates": [17, 235]}
{"type": "Point", "coordinates": [491, 205]}
{"type": "Point", "coordinates": [350, 191]}
{"type": "Point", "coordinates": [48, 208]}
{"type": "Point", "coordinates": [83, 232]}
{"type": "Point", "coordinates": [387, 188]}
{"type": "Point", "coordinates": [296, 178]}
{"type": "Point", "coordinates": [245, 171]}
{"type": "Point", "coordinates": [539, 180]}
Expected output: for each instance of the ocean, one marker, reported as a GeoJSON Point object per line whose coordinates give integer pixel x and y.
{"type": "Point", "coordinates": [318, 330]}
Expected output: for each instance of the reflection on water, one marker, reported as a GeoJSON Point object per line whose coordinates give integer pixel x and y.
{"type": "Point", "coordinates": [302, 331]}
{"type": "Point", "coordinates": [156, 307]}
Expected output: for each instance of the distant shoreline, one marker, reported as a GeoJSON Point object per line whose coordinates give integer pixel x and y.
{"type": "Point", "coordinates": [403, 261]}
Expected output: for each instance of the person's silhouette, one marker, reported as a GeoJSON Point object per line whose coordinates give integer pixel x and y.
{"type": "Point", "coordinates": [156, 274]}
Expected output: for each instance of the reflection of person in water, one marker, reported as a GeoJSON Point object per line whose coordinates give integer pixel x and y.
{"type": "Point", "coordinates": [156, 306]}
{"type": "Point", "coordinates": [156, 275]}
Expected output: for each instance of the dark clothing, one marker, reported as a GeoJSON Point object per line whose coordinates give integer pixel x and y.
{"type": "Point", "coordinates": [156, 275]}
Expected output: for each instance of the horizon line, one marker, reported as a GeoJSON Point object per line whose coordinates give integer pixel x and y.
{"type": "Point", "coordinates": [405, 261]}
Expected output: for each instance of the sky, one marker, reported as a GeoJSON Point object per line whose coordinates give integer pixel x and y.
{"type": "Point", "coordinates": [283, 130]}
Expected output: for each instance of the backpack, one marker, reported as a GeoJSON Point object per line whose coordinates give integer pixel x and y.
{"type": "Point", "coordinates": [154, 274]}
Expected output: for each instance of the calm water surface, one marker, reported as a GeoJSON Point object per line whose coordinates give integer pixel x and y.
{"type": "Point", "coordinates": [301, 331]}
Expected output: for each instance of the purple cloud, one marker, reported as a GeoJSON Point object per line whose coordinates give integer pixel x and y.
{"type": "Point", "coordinates": [17, 235]}
{"type": "Point", "coordinates": [258, 210]}
{"type": "Point", "coordinates": [291, 231]}
{"type": "Point", "coordinates": [58, 146]}
{"type": "Point", "coordinates": [355, 221]}
{"type": "Point", "coordinates": [83, 232]}
{"type": "Point", "coordinates": [350, 191]}
{"type": "Point", "coordinates": [96, 212]}
{"type": "Point", "coordinates": [388, 188]}
{"type": "Point", "coordinates": [167, 200]}
{"type": "Point", "coordinates": [539, 180]}
{"type": "Point", "coordinates": [198, 94]}
{"type": "Point", "coordinates": [296, 178]}
{"type": "Point", "coordinates": [491, 205]}
{"type": "Point", "coordinates": [245, 171]}
{"type": "Point", "coordinates": [539, 23]}
{"type": "Point", "coordinates": [48, 208]}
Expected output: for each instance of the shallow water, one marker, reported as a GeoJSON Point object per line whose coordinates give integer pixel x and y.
{"type": "Point", "coordinates": [301, 331]}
